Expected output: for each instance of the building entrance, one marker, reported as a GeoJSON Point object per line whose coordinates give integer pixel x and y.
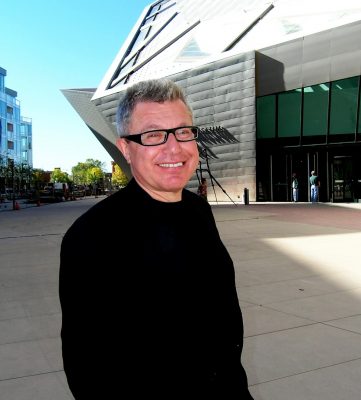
{"type": "Point", "coordinates": [339, 174]}
{"type": "Point", "coordinates": [343, 185]}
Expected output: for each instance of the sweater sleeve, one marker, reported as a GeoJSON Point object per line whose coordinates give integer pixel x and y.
{"type": "Point", "coordinates": [85, 322]}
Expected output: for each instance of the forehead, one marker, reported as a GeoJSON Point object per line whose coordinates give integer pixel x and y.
{"type": "Point", "coordinates": [168, 114]}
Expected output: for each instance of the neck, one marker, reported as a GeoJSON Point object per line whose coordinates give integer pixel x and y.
{"type": "Point", "coordinates": [166, 197]}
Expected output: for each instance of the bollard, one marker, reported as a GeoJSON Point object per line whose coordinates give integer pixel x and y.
{"type": "Point", "coordinates": [246, 196]}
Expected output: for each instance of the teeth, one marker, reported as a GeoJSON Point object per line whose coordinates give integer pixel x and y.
{"type": "Point", "coordinates": [178, 164]}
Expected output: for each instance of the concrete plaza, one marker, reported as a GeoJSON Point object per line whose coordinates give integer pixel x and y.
{"type": "Point", "coordinates": [298, 273]}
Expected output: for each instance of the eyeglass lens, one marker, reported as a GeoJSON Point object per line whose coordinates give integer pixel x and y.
{"type": "Point", "coordinates": [183, 134]}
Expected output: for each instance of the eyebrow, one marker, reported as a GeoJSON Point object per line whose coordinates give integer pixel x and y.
{"type": "Point", "coordinates": [155, 127]}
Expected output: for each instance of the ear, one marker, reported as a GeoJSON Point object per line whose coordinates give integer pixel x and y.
{"type": "Point", "coordinates": [123, 146]}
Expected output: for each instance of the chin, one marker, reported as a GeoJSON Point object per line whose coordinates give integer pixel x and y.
{"type": "Point", "coordinates": [174, 185]}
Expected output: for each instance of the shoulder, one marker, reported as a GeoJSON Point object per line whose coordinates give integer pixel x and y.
{"type": "Point", "coordinates": [191, 197]}
{"type": "Point", "coordinates": [104, 214]}
{"type": "Point", "coordinates": [198, 205]}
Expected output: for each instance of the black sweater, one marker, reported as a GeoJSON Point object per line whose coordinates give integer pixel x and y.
{"type": "Point", "coordinates": [149, 303]}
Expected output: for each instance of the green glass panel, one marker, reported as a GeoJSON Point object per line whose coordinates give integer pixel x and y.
{"type": "Point", "coordinates": [266, 117]}
{"type": "Point", "coordinates": [344, 97]}
{"type": "Point", "coordinates": [315, 109]}
{"type": "Point", "coordinates": [289, 113]}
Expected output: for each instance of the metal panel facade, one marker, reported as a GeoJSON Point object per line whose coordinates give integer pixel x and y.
{"type": "Point", "coordinates": [323, 57]}
{"type": "Point", "coordinates": [222, 94]}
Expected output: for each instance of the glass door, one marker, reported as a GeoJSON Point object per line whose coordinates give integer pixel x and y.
{"type": "Point", "coordinates": [342, 179]}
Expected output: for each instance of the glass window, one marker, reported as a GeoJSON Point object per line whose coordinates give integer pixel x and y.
{"type": "Point", "coordinates": [138, 41]}
{"type": "Point", "coordinates": [126, 67]}
{"type": "Point", "coordinates": [16, 114]}
{"type": "Point", "coordinates": [344, 97]}
{"type": "Point", "coordinates": [159, 6]}
{"type": "Point", "coordinates": [315, 109]}
{"type": "Point", "coordinates": [289, 113]}
{"type": "Point", "coordinates": [266, 117]}
{"type": "Point", "coordinates": [141, 35]}
{"type": "Point", "coordinates": [2, 108]}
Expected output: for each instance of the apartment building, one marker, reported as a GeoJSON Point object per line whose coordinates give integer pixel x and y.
{"type": "Point", "coordinates": [15, 130]}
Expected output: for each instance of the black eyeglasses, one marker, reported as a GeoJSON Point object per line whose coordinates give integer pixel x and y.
{"type": "Point", "coordinates": [160, 136]}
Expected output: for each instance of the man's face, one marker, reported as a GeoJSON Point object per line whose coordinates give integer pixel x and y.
{"type": "Point", "coordinates": [162, 170]}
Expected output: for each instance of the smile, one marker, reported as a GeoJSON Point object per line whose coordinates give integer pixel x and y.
{"type": "Point", "coordinates": [178, 164]}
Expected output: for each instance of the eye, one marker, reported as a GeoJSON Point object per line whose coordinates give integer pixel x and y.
{"type": "Point", "coordinates": [185, 132]}
{"type": "Point", "coordinates": [153, 137]}
{"type": "Point", "coordinates": [155, 134]}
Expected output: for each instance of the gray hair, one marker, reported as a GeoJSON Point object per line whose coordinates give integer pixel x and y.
{"type": "Point", "coordinates": [154, 90]}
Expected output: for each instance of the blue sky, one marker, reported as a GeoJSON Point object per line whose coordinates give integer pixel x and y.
{"type": "Point", "coordinates": [51, 45]}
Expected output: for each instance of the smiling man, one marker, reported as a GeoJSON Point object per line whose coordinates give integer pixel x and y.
{"type": "Point", "coordinates": [161, 161]}
{"type": "Point", "coordinates": [152, 310]}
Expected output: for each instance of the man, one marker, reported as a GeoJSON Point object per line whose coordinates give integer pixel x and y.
{"type": "Point", "coordinates": [146, 314]}
{"type": "Point", "coordinates": [294, 188]}
{"type": "Point", "coordinates": [202, 189]}
{"type": "Point", "coordinates": [315, 183]}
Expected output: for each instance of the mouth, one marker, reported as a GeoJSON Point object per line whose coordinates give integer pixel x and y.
{"type": "Point", "coordinates": [171, 165]}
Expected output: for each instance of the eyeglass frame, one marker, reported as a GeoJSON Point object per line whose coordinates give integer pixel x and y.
{"type": "Point", "coordinates": [137, 138]}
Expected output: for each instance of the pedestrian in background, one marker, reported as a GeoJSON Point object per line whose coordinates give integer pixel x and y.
{"type": "Point", "coordinates": [294, 187]}
{"type": "Point", "coordinates": [202, 189]}
{"type": "Point", "coordinates": [315, 184]}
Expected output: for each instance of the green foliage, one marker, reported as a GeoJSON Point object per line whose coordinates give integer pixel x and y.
{"type": "Point", "coordinates": [94, 174]}
{"type": "Point", "coordinates": [84, 173]}
{"type": "Point", "coordinates": [59, 176]}
{"type": "Point", "coordinates": [40, 178]}
{"type": "Point", "coordinates": [118, 176]}
{"type": "Point", "coordinates": [15, 175]}
{"type": "Point", "coordinates": [88, 172]}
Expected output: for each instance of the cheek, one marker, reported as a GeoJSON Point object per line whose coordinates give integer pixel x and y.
{"type": "Point", "coordinates": [140, 155]}
{"type": "Point", "coordinates": [143, 156]}
{"type": "Point", "coordinates": [195, 156]}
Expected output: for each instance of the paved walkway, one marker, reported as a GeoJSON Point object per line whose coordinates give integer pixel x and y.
{"type": "Point", "coordinates": [298, 272]}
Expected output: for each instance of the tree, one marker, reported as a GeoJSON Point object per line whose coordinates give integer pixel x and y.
{"type": "Point", "coordinates": [15, 175]}
{"type": "Point", "coordinates": [88, 172]}
{"type": "Point", "coordinates": [94, 174]}
{"type": "Point", "coordinates": [59, 176]}
{"type": "Point", "coordinates": [40, 178]}
{"type": "Point", "coordinates": [95, 163]}
{"type": "Point", "coordinates": [79, 173]}
{"type": "Point", "coordinates": [118, 176]}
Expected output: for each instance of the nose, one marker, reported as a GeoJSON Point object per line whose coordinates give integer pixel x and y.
{"type": "Point", "coordinates": [172, 142]}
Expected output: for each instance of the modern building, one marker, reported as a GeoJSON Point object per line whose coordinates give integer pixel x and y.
{"type": "Point", "coordinates": [274, 86]}
{"type": "Point", "coordinates": [15, 130]}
